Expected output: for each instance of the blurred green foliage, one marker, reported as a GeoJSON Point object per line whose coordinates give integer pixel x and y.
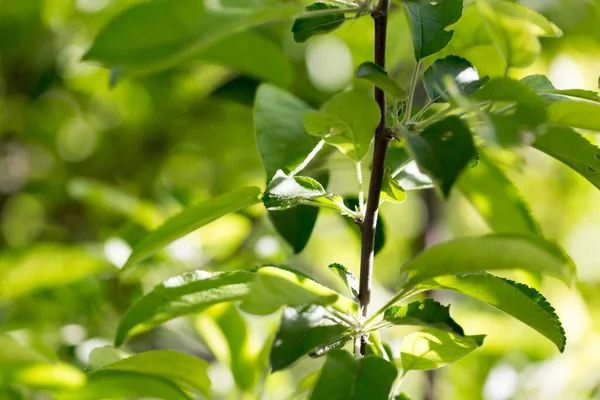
{"type": "Point", "coordinates": [87, 168]}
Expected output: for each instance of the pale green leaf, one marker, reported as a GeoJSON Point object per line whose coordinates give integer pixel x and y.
{"type": "Point", "coordinates": [185, 294]}
{"type": "Point", "coordinates": [576, 114]}
{"type": "Point", "coordinates": [491, 252]}
{"type": "Point", "coordinates": [276, 287]}
{"type": "Point", "coordinates": [286, 191]}
{"type": "Point", "coordinates": [347, 277]}
{"type": "Point", "coordinates": [191, 219]}
{"type": "Point", "coordinates": [432, 349]}
{"type": "Point", "coordinates": [570, 148]}
{"type": "Point", "coordinates": [391, 190]}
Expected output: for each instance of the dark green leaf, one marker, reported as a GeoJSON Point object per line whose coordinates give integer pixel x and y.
{"type": "Point", "coordinates": [347, 277]}
{"type": "Point", "coordinates": [538, 83]}
{"type": "Point", "coordinates": [457, 70]}
{"type": "Point", "coordinates": [516, 299]}
{"type": "Point", "coordinates": [443, 150]}
{"type": "Point", "coordinates": [159, 34]}
{"type": "Point", "coordinates": [276, 287]}
{"type": "Point", "coordinates": [279, 127]}
{"type": "Point", "coordinates": [429, 21]}
{"type": "Point", "coordinates": [306, 27]}
{"type": "Point", "coordinates": [191, 219]}
{"type": "Point", "coordinates": [432, 349]}
{"type": "Point", "coordinates": [347, 378]}
{"type": "Point", "coordinates": [427, 313]}
{"type": "Point", "coordinates": [302, 330]}
{"type": "Point", "coordinates": [497, 199]}
{"type": "Point", "coordinates": [573, 150]}
{"type": "Point", "coordinates": [184, 294]}
{"type": "Point", "coordinates": [529, 110]}
{"type": "Point", "coordinates": [286, 191]}
{"type": "Point", "coordinates": [347, 121]}
{"type": "Point", "coordinates": [491, 252]}
{"type": "Point", "coordinates": [377, 75]}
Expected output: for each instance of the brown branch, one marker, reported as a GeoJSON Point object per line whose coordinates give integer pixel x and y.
{"type": "Point", "coordinates": [380, 16]}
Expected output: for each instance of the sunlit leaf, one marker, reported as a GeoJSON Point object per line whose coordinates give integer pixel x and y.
{"type": "Point", "coordinates": [279, 127]}
{"type": "Point", "coordinates": [429, 22]}
{"type": "Point", "coordinates": [346, 378]}
{"type": "Point", "coordinates": [347, 277]}
{"type": "Point", "coordinates": [191, 219]}
{"type": "Point", "coordinates": [103, 356]}
{"type": "Point", "coordinates": [347, 121]}
{"type": "Point", "coordinates": [302, 330]}
{"type": "Point", "coordinates": [185, 294]}
{"type": "Point", "coordinates": [276, 287]}
{"type": "Point", "coordinates": [391, 190]}
{"type": "Point", "coordinates": [516, 299]}
{"type": "Point", "coordinates": [306, 27]}
{"type": "Point", "coordinates": [491, 252]}
{"type": "Point", "coordinates": [427, 313]}
{"type": "Point", "coordinates": [443, 150]}
{"type": "Point", "coordinates": [573, 150]}
{"type": "Point", "coordinates": [13, 353]}
{"type": "Point", "coordinates": [576, 114]}
{"type": "Point", "coordinates": [286, 191]}
{"type": "Point", "coordinates": [432, 349]}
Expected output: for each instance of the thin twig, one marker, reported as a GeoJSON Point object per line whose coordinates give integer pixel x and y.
{"type": "Point", "coordinates": [380, 16]}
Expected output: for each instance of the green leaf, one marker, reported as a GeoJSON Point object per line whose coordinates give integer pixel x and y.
{"type": "Point", "coordinates": [516, 299]}
{"type": "Point", "coordinates": [529, 113]}
{"type": "Point", "coordinates": [542, 85]}
{"type": "Point", "coordinates": [276, 287]}
{"type": "Point", "coordinates": [306, 27]}
{"type": "Point", "coordinates": [427, 313]}
{"type": "Point", "coordinates": [491, 252]}
{"type": "Point", "coordinates": [347, 277]}
{"type": "Point", "coordinates": [296, 224]}
{"type": "Point", "coordinates": [377, 76]}
{"type": "Point", "coordinates": [112, 384]}
{"type": "Point", "coordinates": [45, 266]}
{"type": "Point", "coordinates": [573, 150]}
{"type": "Point", "coordinates": [402, 396]}
{"type": "Point", "coordinates": [279, 127]}
{"type": "Point", "coordinates": [460, 71]}
{"type": "Point", "coordinates": [191, 219]}
{"type": "Point", "coordinates": [227, 335]}
{"type": "Point", "coordinates": [286, 191]}
{"type": "Point", "coordinates": [352, 203]}
{"type": "Point", "coordinates": [155, 35]}
{"type": "Point", "coordinates": [253, 54]}
{"type": "Point", "coordinates": [391, 190]}
{"type": "Point", "coordinates": [443, 150]}
{"type": "Point", "coordinates": [186, 371]}
{"type": "Point", "coordinates": [48, 377]}
{"type": "Point", "coordinates": [575, 114]}
{"type": "Point", "coordinates": [497, 199]}
{"type": "Point", "coordinates": [347, 121]}
{"type": "Point", "coordinates": [346, 378]}
{"type": "Point", "coordinates": [103, 356]}
{"type": "Point", "coordinates": [432, 349]}
{"type": "Point", "coordinates": [429, 21]}
{"type": "Point", "coordinates": [184, 294]}
{"type": "Point", "coordinates": [13, 354]}
{"type": "Point", "coordinates": [302, 330]}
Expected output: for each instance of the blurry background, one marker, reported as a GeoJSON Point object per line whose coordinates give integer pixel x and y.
{"type": "Point", "coordinates": [86, 170]}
